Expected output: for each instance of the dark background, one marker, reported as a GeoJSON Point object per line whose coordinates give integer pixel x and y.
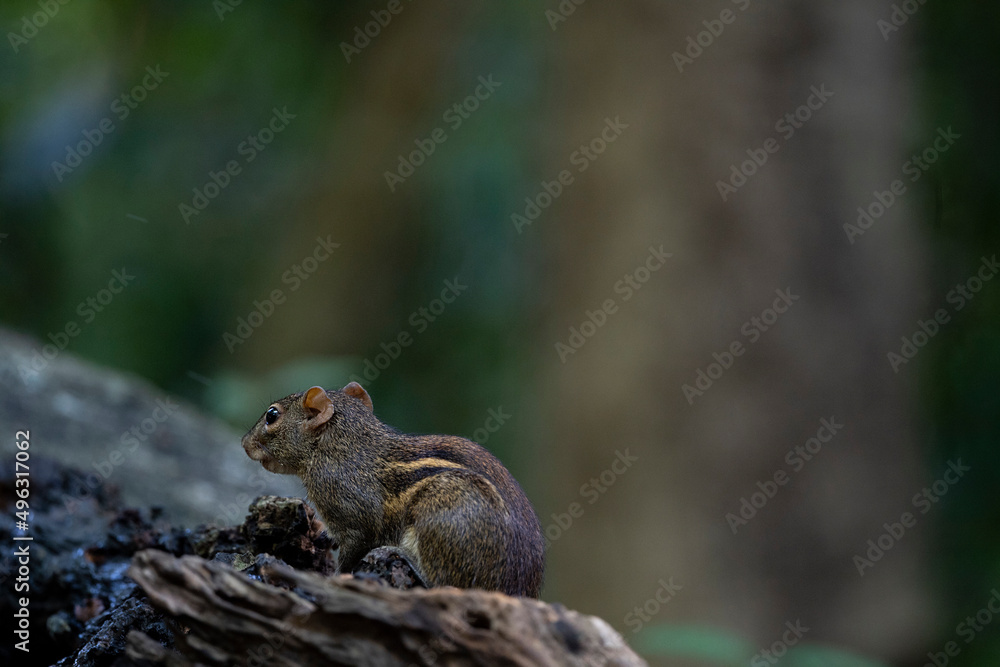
{"type": "Point", "coordinates": [495, 347]}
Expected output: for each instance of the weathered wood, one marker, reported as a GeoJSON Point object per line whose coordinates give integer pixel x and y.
{"type": "Point", "coordinates": [302, 618]}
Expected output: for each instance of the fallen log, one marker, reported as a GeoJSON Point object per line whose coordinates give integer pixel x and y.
{"type": "Point", "coordinates": [290, 617]}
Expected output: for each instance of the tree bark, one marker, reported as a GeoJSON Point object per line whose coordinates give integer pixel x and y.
{"type": "Point", "coordinates": [825, 358]}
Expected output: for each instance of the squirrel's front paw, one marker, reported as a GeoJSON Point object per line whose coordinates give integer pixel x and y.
{"type": "Point", "coordinates": [391, 566]}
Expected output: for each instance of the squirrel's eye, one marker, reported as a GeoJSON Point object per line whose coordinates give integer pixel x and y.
{"type": "Point", "coordinates": [271, 415]}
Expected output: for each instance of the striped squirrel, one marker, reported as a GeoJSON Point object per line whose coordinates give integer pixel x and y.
{"type": "Point", "coordinates": [444, 503]}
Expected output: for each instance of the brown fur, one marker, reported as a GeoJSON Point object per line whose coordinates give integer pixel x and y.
{"type": "Point", "coordinates": [445, 502]}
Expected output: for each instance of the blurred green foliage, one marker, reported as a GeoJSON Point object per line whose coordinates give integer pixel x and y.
{"type": "Point", "coordinates": [224, 77]}
{"type": "Point", "coordinates": [715, 648]}
{"type": "Point", "coordinates": [961, 377]}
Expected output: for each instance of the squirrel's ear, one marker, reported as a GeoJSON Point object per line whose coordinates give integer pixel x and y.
{"type": "Point", "coordinates": [316, 400]}
{"type": "Point", "coordinates": [355, 390]}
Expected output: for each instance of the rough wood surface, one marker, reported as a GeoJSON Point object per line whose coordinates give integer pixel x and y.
{"type": "Point", "coordinates": [302, 618]}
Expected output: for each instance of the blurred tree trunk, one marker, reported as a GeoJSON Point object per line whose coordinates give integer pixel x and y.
{"type": "Point", "coordinates": [824, 358]}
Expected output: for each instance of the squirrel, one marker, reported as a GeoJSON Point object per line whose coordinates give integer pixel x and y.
{"type": "Point", "coordinates": [444, 503]}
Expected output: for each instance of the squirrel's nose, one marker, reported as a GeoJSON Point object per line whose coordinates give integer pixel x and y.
{"type": "Point", "coordinates": [251, 448]}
